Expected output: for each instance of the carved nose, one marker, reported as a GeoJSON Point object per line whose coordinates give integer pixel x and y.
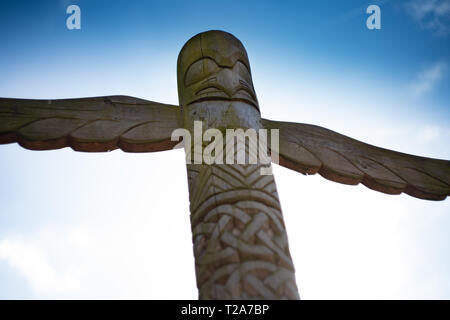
{"type": "Point", "coordinates": [228, 80]}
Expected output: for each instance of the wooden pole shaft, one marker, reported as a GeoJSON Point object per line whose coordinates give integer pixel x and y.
{"type": "Point", "coordinates": [240, 243]}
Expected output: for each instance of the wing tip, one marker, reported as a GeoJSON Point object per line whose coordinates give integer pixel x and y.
{"type": "Point", "coordinates": [389, 187]}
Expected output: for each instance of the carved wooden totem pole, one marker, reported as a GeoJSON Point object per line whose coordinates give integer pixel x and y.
{"type": "Point", "coordinates": [240, 243]}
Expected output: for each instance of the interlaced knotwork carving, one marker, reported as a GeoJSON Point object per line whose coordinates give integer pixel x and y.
{"type": "Point", "coordinates": [240, 244]}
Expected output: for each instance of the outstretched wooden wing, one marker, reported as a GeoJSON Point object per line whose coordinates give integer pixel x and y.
{"type": "Point", "coordinates": [89, 124]}
{"type": "Point", "coordinates": [310, 149]}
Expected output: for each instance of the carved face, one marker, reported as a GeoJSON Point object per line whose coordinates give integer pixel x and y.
{"type": "Point", "coordinates": [214, 66]}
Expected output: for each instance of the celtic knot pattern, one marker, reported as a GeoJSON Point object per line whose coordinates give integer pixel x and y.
{"type": "Point", "coordinates": [239, 237]}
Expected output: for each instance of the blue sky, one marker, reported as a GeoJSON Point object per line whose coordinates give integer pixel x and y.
{"type": "Point", "coordinates": [82, 225]}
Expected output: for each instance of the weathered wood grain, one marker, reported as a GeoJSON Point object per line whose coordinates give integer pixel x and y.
{"type": "Point", "coordinates": [311, 149]}
{"type": "Point", "coordinates": [89, 124]}
{"type": "Point", "coordinates": [240, 243]}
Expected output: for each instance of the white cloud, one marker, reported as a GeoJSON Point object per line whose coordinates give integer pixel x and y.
{"type": "Point", "coordinates": [428, 134]}
{"type": "Point", "coordinates": [407, 136]}
{"type": "Point", "coordinates": [431, 15]}
{"type": "Point", "coordinates": [121, 250]}
{"type": "Point", "coordinates": [115, 259]}
{"type": "Point", "coordinates": [31, 262]}
{"type": "Point", "coordinates": [428, 78]}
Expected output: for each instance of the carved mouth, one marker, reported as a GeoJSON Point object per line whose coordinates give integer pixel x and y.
{"type": "Point", "coordinates": [216, 93]}
{"type": "Point", "coordinates": [247, 101]}
{"type": "Point", "coordinates": [209, 90]}
{"type": "Point", "coordinates": [242, 89]}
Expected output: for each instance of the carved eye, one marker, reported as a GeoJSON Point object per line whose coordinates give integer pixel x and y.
{"type": "Point", "coordinates": [200, 70]}
{"type": "Point", "coordinates": [243, 71]}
